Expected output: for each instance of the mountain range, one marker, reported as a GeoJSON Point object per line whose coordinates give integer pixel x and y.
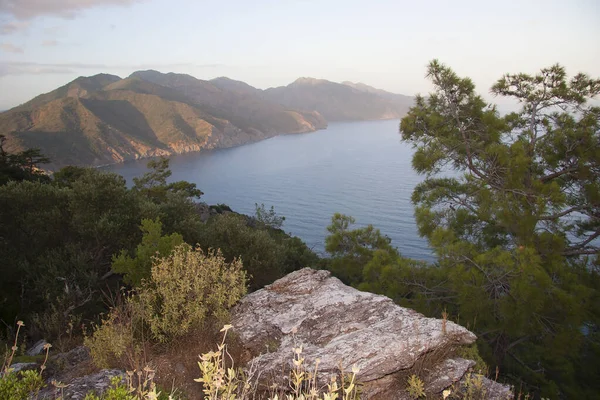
{"type": "Point", "coordinates": [104, 119]}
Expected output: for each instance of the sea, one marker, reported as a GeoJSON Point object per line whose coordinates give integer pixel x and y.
{"type": "Point", "coordinates": [361, 169]}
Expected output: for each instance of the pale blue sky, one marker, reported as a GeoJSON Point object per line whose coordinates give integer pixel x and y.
{"type": "Point", "coordinates": [47, 43]}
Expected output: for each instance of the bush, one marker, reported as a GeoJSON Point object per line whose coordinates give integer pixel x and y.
{"type": "Point", "coordinates": [187, 287]}
{"type": "Point", "coordinates": [268, 254]}
{"type": "Point", "coordinates": [116, 341]}
{"type": "Point", "coordinates": [153, 244]}
{"type": "Point", "coordinates": [19, 386]}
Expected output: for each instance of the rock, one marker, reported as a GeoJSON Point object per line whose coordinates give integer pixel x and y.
{"type": "Point", "coordinates": [436, 378]}
{"type": "Point", "coordinates": [25, 366]}
{"type": "Point", "coordinates": [203, 211]}
{"type": "Point", "coordinates": [77, 389]}
{"type": "Point", "coordinates": [71, 358]}
{"type": "Point", "coordinates": [497, 391]}
{"type": "Point", "coordinates": [485, 388]}
{"type": "Point", "coordinates": [344, 327]}
{"type": "Point", "coordinates": [37, 348]}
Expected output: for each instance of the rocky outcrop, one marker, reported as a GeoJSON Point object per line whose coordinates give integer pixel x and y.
{"type": "Point", "coordinates": [78, 388]}
{"type": "Point", "coordinates": [344, 327]}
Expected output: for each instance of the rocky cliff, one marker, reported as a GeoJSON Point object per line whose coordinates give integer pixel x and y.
{"type": "Point", "coordinates": [344, 327]}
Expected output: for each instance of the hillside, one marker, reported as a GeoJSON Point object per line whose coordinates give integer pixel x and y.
{"type": "Point", "coordinates": [104, 119]}
{"type": "Point", "coordinates": [118, 124]}
{"type": "Point", "coordinates": [340, 102]}
{"type": "Point", "coordinates": [239, 103]}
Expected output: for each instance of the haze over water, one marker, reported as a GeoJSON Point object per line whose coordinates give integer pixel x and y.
{"type": "Point", "coordinates": [360, 169]}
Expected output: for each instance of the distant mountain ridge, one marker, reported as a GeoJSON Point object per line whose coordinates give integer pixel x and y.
{"type": "Point", "coordinates": [104, 119]}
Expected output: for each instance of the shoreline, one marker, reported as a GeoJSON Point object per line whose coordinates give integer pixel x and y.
{"type": "Point", "coordinates": [242, 144]}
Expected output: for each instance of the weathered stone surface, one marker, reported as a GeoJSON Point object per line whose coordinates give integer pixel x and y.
{"type": "Point", "coordinates": [446, 373]}
{"type": "Point", "coordinates": [72, 357]}
{"type": "Point", "coordinates": [26, 366]}
{"type": "Point", "coordinates": [37, 348]}
{"type": "Point", "coordinates": [493, 390]}
{"type": "Point", "coordinates": [344, 327]}
{"type": "Point", "coordinates": [77, 389]}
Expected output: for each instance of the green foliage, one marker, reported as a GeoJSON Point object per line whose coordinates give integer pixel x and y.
{"type": "Point", "coordinates": [117, 340]}
{"type": "Point", "coordinates": [352, 249]}
{"type": "Point", "coordinates": [154, 183]}
{"type": "Point", "coordinates": [269, 217]}
{"type": "Point", "coordinates": [188, 287]}
{"type": "Point", "coordinates": [153, 245]}
{"type": "Point", "coordinates": [19, 386]}
{"type": "Point", "coordinates": [515, 227]}
{"type": "Point", "coordinates": [267, 254]}
{"type": "Point", "coordinates": [472, 353]}
{"type": "Point", "coordinates": [57, 240]}
{"type": "Point", "coordinates": [22, 166]}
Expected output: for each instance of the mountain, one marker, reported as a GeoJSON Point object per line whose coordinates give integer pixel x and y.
{"type": "Point", "coordinates": [77, 88]}
{"type": "Point", "coordinates": [104, 119]}
{"type": "Point", "coordinates": [400, 98]}
{"type": "Point", "coordinates": [340, 102]}
{"type": "Point", "coordinates": [239, 103]}
{"type": "Point", "coordinates": [124, 120]}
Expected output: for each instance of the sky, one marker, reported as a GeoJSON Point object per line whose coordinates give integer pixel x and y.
{"type": "Point", "coordinates": [387, 44]}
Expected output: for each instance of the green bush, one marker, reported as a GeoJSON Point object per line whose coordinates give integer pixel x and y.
{"type": "Point", "coordinates": [153, 245]}
{"type": "Point", "coordinates": [186, 288]}
{"type": "Point", "coordinates": [267, 253]}
{"type": "Point", "coordinates": [19, 386]}
{"type": "Point", "coordinates": [115, 342]}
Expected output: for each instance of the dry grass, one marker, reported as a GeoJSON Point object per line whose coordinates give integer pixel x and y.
{"type": "Point", "coordinates": [176, 364]}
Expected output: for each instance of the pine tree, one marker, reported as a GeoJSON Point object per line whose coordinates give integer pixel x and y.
{"type": "Point", "coordinates": [511, 206]}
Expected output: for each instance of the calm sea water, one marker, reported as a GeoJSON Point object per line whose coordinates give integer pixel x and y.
{"type": "Point", "coordinates": [360, 169]}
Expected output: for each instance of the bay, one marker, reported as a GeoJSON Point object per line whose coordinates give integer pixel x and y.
{"type": "Point", "coordinates": [360, 169]}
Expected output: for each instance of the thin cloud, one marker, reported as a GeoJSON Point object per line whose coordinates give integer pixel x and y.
{"type": "Point", "coordinates": [33, 68]}
{"type": "Point", "coordinates": [14, 26]}
{"type": "Point", "coordinates": [9, 48]}
{"type": "Point", "coordinates": [54, 30]}
{"type": "Point", "coordinates": [50, 43]}
{"type": "Point", "coordinates": [28, 9]}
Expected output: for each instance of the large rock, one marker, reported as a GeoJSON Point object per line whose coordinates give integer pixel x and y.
{"type": "Point", "coordinates": [344, 327]}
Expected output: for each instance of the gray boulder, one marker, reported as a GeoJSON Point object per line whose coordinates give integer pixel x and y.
{"type": "Point", "coordinates": [37, 348]}
{"type": "Point", "coordinates": [344, 327]}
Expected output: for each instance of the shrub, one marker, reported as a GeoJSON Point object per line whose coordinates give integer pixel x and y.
{"type": "Point", "coordinates": [188, 286]}
{"type": "Point", "coordinates": [262, 255]}
{"type": "Point", "coordinates": [268, 217]}
{"type": "Point", "coordinates": [19, 386]}
{"type": "Point", "coordinates": [24, 384]}
{"type": "Point", "coordinates": [153, 244]}
{"type": "Point", "coordinates": [115, 342]}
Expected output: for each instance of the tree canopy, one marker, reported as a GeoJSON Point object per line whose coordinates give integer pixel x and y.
{"type": "Point", "coordinates": [511, 206]}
